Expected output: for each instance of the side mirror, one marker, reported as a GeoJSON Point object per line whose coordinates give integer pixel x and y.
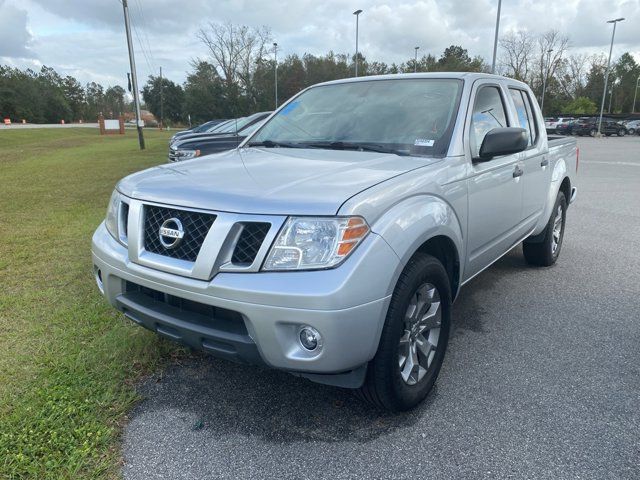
{"type": "Point", "coordinates": [503, 141]}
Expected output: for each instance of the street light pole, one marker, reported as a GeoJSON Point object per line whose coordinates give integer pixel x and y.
{"type": "Point", "coordinates": [415, 61]}
{"type": "Point", "coordinates": [275, 54]}
{"type": "Point", "coordinates": [635, 94]}
{"type": "Point", "coordinates": [495, 40]}
{"type": "Point", "coordinates": [544, 79]}
{"type": "Point", "coordinates": [357, 14]}
{"type": "Point", "coordinates": [134, 77]}
{"type": "Point", "coordinates": [606, 75]}
{"type": "Point", "coordinates": [610, 97]}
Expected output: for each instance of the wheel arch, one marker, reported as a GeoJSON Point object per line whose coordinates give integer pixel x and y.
{"type": "Point", "coordinates": [428, 224]}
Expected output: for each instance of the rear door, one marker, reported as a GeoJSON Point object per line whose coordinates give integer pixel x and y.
{"type": "Point", "coordinates": [494, 186]}
{"type": "Point", "coordinates": [537, 173]}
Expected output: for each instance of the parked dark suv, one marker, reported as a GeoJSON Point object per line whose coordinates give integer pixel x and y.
{"type": "Point", "coordinates": [589, 126]}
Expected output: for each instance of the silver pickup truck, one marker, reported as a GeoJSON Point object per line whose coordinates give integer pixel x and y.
{"type": "Point", "coordinates": [332, 242]}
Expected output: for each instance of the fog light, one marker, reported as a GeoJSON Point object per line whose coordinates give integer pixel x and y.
{"type": "Point", "coordinates": [98, 274]}
{"type": "Point", "coordinates": [310, 338]}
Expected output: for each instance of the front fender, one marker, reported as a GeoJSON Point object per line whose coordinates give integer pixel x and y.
{"type": "Point", "coordinates": [410, 223]}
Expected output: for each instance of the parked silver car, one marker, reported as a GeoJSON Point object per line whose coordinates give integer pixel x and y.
{"type": "Point", "coordinates": [333, 241]}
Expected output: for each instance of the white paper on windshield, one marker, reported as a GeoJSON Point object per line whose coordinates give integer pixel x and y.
{"type": "Point", "coordinates": [423, 142]}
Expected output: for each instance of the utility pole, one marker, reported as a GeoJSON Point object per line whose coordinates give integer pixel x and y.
{"type": "Point", "coordinates": [357, 14]}
{"type": "Point", "coordinates": [606, 75]}
{"type": "Point", "coordinates": [161, 103]}
{"type": "Point", "coordinates": [134, 78]}
{"type": "Point", "coordinates": [415, 60]}
{"type": "Point", "coordinates": [635, 94]}
{"type": "Point", "coordinates": [275, 72]}
{"type": "Point", "coordinates": [495, 40]}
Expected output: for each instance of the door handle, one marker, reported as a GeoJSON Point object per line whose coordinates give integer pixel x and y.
{"type": "Point", "coordinates": [544, 162]}
{"type": "Point", "coordinates": [517, 172]}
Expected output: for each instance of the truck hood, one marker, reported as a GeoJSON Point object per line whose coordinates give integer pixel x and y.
{"type": "Point", "coordinates": [274, 181]}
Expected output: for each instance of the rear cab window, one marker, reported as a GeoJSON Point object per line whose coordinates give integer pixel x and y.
{"type": "Point", "coordinates": [525, 113]}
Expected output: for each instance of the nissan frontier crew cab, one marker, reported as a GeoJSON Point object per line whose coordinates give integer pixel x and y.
{"type": "Point", "coordinates": [332, 242]}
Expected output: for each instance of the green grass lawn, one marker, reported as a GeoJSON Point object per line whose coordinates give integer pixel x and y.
{"type": "Point", "coordinates": [67, 360]}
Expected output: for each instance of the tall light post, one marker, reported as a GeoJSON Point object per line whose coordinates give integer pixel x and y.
{"type": "Point", "coordinates": [275, 70]}
{"type": "Point", "coordinates": [610, 97]}
{"type": "Point", "coordinates": [357, 14]}
{"type": "Point", "coordinates": [635, 94]}
{"type": "Point", "coordinates": [544, 78]}
{"type": "Point", "coordinates": [415, 61]}
{"type": "Point", "coordinates": [606, 75]}
{"type": "Point", "coordinates": [495, 40]}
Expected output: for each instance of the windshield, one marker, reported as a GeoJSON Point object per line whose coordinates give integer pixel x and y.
{"type": "Point", "coordinates": [203, 127]}
{"type": "Point", "coordinates": [240, 123]}
{"type": "Point", "coordinates": [246, 131]}
{"type": "Point", "coordinates": [219, 127]}
{"type": "Point", "coordinates": [402, 116]}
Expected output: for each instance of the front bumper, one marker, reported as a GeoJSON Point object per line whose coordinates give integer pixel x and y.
{"type": "Point", "coordinates": [347, 305]}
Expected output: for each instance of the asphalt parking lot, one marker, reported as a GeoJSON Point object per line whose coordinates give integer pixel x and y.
{"type": "Point", "coordinates": [541, 379]}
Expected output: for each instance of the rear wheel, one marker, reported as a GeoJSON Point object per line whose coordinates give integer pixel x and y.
{"type": "Point", "coordinates": [414, 337]}
{"type": "Point", "coordinates": [544, 250]}
{"type": "Point", "coordinates": [593, 132]}
{"type": "Point", "coordinates": [622, 132]}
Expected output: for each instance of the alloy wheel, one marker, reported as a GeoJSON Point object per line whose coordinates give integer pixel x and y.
{"type": "Point", "coordinates": [419, 341]}
{"type": "Point", "coordinates": [557, 230]}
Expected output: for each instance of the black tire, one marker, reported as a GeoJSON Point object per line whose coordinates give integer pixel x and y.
{"type": "Point", "coordinates": [539, 250]}
{"type": "Point", "coordinates": [622, 132]}
{"type": "Point", "coordinates": [631, 131]}
{"type": "Point", "coordinates": [384, 386]}
{"type": "Point", "coordinates": [593, 132]}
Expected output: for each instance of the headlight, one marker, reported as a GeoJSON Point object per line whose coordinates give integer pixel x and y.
{"type": "Point", "coordinates": [113, 209]}
{"type": "Point", "coordinates": [315, 242]}
{"type": "Point", "coordinates": [117, 213]}
{"type": "Point", "coordinates": [186, 154]}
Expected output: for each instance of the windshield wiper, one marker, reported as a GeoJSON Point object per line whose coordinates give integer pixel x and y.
{"type": "Point", "coordinates": [359, 146]}
{"type": "Point", "coordinates": [272, 144]}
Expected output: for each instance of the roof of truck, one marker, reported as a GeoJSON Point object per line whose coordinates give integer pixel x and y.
{"type": "Point", "coordinates": [395, 76]}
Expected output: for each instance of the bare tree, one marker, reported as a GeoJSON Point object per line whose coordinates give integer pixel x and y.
{"type": "Point", "coordinates": [572, 74]}
{"type": "Point", "coordinates": [235, 50]}
{"type": "Point", "coordinates": [517, 54]}
{"type": "Point", "coordinates": [552, 47]}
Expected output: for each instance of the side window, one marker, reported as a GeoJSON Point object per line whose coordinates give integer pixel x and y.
{"type": "Point", "coordinates": [533, 121]}
{"type": "Point", "coordinates": [524, 117]}
{"type": "Point", "coordinates": [488, 113]}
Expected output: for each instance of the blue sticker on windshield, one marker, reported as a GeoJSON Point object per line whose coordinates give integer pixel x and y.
{"type": "Point", "coordinates": [289, 108]}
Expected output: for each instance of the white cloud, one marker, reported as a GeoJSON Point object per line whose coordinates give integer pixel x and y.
{"type": "Point", "coordinates": [16, 38]}
{"type": "Point", "coordinates": [85, 38]}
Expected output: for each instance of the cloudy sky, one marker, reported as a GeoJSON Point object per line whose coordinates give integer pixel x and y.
{"type": "Point", "coordinates": [85, 38]}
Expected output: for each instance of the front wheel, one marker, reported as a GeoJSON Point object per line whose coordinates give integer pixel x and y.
{"type": "Point", "coordinates": [622, 132]}
{"type": "Point", "coordinates": [414, 338]}
{"type": "Point", "coordinates": [593, 132]}
{"type": "Point", "coordinates": [544, 250]}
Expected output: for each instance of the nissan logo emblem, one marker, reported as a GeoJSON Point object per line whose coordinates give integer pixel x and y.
{"type": "Point", "coordinates": [171, 233]}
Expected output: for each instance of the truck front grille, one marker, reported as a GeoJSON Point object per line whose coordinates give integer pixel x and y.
{"type": "Point", "coordinates": [196, 225]}
{"type": "Point", "coordinates": [250, 241]}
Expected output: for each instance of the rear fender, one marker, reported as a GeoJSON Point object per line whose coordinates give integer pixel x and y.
{"type": "Point", "coordinates": [557, 176]}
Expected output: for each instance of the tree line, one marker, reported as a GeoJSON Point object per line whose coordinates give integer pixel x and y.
{"type": "Point", "coordinates": [237, 77]}
{"type": "Point", "coordinates": [47, 97]}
